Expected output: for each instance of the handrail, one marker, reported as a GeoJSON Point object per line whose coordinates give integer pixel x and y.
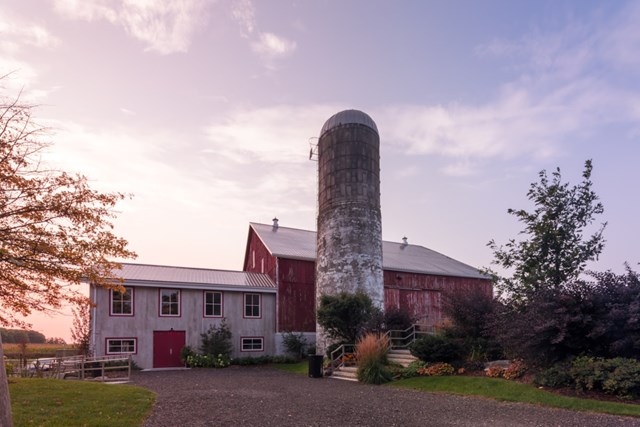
{"type": "Point", "coordinates": [338, 355]}
{"type": "Point", "coordinates": [408, 336]}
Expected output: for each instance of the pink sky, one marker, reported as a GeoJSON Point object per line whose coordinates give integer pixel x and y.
{"type": "Point", "coordinates": [203, 111]}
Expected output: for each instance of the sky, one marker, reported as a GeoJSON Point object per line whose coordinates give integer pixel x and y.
{"type": "Point", "coordinates": [204, 110]}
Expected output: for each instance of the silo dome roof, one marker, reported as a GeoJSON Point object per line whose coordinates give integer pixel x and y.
{"type": "Point", "coordinates": [348, 117]}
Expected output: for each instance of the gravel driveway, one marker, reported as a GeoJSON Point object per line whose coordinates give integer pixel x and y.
{"type": "Point", "coordinates": [262, 396]}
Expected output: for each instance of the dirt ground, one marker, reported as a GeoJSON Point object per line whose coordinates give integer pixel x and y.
{"type": "Point", "coordinates": [263, 396]}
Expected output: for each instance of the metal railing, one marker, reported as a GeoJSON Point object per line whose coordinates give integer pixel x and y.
{"type": "Point", "coordinates": [339, 356]}
{"type": "Point", "coordinates": [401, 339]}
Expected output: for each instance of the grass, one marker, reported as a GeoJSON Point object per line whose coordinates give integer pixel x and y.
{"type": "Point", "coordinates": [301, 368]}
{"type": "Point", "coordinates": [50, 402]}
{"type": "Point", "coordinates": [512, 391]}
{"type": "Point", "coordinates": [12, 351]}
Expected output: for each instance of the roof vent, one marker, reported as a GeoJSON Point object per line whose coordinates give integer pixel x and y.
{"type": "Point", "coordinates": [275, 224]}
{"type": "Point", "coordinates": [404, 242]}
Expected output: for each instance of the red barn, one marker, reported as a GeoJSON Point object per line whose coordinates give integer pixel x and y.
{"type": "Point", "coordinates": [414, 276]}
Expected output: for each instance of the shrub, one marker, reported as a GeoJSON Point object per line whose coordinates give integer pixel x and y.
{"type": "Point", "coordinates": [413, 369]}
{"type": "Point", "coordinates": [618, 376]}
{"type": "Point", "coordinates": [344, 316]}
{"type": "Point", "coordinates": [208, 361]}
{"type": "Point", "coordinates": [371, 353]}
{"type": "Point", "coordinates": [397, 319]}
{"type": "Point", "coordinates": [555, 376]}
{"type": "Point", "coordinates": [436, 348]}
{"type": "Point", "coordinates": [515, 370]}
{"type": "Point", "coordinates": [494, 372]}
{"type": "Point", "coordinates": [623, 377]}
{"type": "Point", "coordinates": [437, 370]}
{"type": "Point", "coordinates": [185, 352]}
{"type": "Point", "coordinates": [295, 344]}
{"type": "Point", "coordinates": [217, 340]}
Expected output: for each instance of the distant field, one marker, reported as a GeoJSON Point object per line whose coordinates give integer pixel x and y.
{"type": "Point", "coordinates": [33, 351]}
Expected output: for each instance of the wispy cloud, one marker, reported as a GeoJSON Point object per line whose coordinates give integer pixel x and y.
{"type": "Point", "coordinates": [273, 46]}
{"type": "Point", "coordinates": [166, 27]}
{"type": "Point", "coordinates": [267, 44]}
{"type": "Point", "coordinates": [571, 84]}
{"type": "Point", "coordinates": [18, 36]}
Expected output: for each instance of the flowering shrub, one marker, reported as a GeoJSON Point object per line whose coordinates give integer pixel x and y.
{"type": "Point", "coordinates": [495, 372]}
{"type": "Point", "coordinates": [208, 361]}
{"type": "Point", "coordinates": [516, 369]}
{"type": "Point", "coordinates": [437, 370]}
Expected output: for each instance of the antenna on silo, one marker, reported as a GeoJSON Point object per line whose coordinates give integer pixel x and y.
{"type": "Point", "coordinates": [313, 148]}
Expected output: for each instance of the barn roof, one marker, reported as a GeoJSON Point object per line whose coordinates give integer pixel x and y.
{"type": "Point", "coordinates": [294, 243]}
{"type": "Point", "coordinates": [200, 278]}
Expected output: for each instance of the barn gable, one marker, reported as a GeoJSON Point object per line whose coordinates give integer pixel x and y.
{"type": "Point", "coordinates": [414, 276]}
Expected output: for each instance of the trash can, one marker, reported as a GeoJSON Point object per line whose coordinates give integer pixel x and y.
{"type": "Point", "coordinates": [315, 366]}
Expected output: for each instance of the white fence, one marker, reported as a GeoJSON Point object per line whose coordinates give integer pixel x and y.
{"type": "Point", "coordinates": [105, 368]}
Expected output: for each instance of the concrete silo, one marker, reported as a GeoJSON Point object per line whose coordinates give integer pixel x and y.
{"type": "Point", "coordinates": [349, 238]}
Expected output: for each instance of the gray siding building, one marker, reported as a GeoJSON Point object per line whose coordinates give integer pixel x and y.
{"type": "Point", "coordinates": [165, 308]}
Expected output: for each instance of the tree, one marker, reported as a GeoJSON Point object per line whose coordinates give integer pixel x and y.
{"type": "Point", "coordinates": [81, 331]}
{"type": "Point", "coordinates": [345, 316]}
{"type": "Point", "coordinates": [555, 251]}
{"type": "Point", "coordinates": [55, 231]}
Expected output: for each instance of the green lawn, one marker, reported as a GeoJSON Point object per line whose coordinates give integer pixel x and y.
{"type": "Point", "coordinates": [297, 368]}
{"type": "Point", "coordinates": [49, 402]}
{"type": "Point", "coordinates": [513, 392]}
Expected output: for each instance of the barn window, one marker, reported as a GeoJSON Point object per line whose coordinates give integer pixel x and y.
{"type": "Point", "coordinates": [213, 304]}
{"type": "Point", "coordinates": [262, 265]}
{"type": "Point", "coordinates": [122, 345]}
{"type": "Point", "coordinates": [253, 344]}
{"type": "Point", "coordinates": [122, 302]}
{"type": "Point", "coordinates": [169, 302]}
{"type": "Point", "coordinates": [251, 305]}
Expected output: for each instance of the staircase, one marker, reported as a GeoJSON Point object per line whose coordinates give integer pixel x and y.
{"type": "Point", "coordinates": [345, 373]}
{"type": "Point", "coordinates": [341, 359]}
{"type": "Point", "coordinates": [401, 357]}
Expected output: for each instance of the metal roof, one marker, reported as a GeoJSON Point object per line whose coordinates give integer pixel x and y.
{"type": "Point", "coordinates": [162, 275]}
{"type": "Point", "coordinates": [294, 243]}
{"type": "Point", "coordinates": [348, 117]}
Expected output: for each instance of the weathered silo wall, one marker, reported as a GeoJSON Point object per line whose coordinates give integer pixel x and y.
{"type": "Point", "coordinates": [349, 245]}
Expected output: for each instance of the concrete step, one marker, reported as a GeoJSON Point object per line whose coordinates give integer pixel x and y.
{"type": "Point", "coordinates": [401, 357]}
{"type": "Point", "coordinates": [347, 373]}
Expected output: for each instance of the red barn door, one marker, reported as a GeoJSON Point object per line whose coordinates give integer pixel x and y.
{"type": "Point", "coordinates": [166, 348]}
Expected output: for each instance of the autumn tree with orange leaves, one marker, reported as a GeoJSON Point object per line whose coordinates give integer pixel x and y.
{"type": "Point", "coordinates": [55, 231]}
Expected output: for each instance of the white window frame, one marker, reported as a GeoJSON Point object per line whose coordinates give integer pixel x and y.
{"type": "Point", "coordinates": [249, 344]}
{"type": "Point", "coordinates": [253, 305]}
{"type": "Point", "coordinates": [178, 302]}
{"type": "Point", "coordinates": [213, 304]}
{"type": "Point", "coordinates": [112, 299]}
{"type": "Point", "coordinates": [133, 345]}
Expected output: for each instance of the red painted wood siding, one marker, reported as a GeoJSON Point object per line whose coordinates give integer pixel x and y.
{"type": "Point", "coordinates": [421, 294]}
{"type": "Point", "coordinates": [296, 299]}
{"type": "Point", "coordinates": [296, 296]}
{"type": "Point", "coordinates": [255, 245]}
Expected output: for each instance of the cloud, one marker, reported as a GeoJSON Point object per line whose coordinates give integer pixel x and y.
{"type": "Point", "coordinates": [278, 134]}
{"type": "Point", "coordinates": [244, 13]}
{"type": "Point", "coordinates": [166, 27]}
{"type": "Point", "coordinates": [267, 44]}
{"type": "Point", "coordinates": [570, 85]}
{"type": "Point", "coordinates": [271, 45]}
{"type": "Point", "coordinates": [17, 34]}
{"type": "Point", "coordinates": [18, 37]}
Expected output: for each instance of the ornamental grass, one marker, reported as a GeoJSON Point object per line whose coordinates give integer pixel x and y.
{"type": "Point", "coordinates": [371, 353]}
